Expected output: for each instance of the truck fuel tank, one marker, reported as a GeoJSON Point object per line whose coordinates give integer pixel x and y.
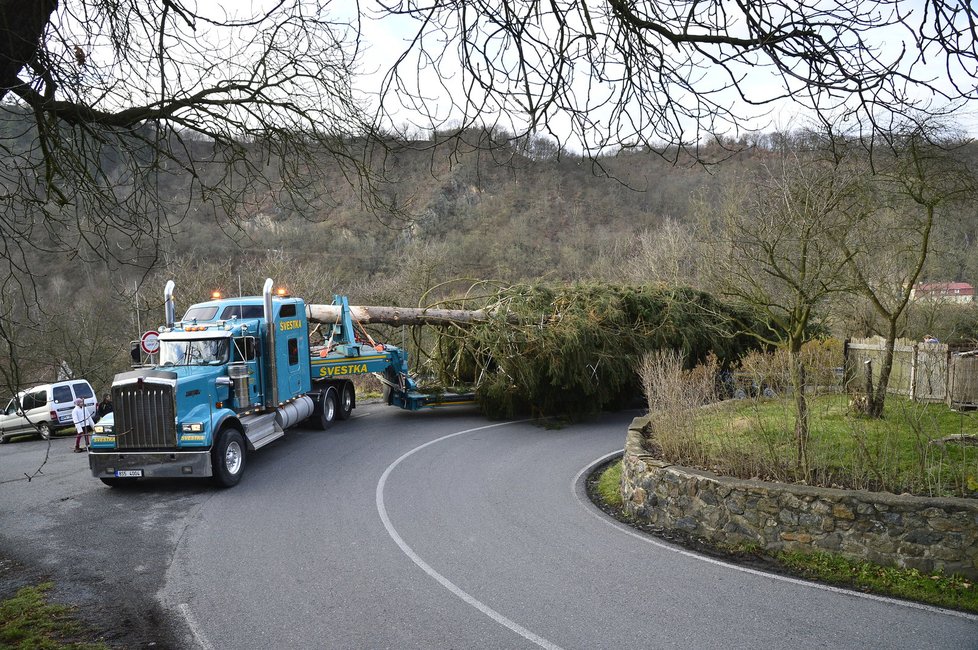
{"type": "Point", "coordinates": [294, 412]}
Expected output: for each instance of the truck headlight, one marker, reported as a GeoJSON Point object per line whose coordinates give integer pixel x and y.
{"type": "Point", "coordinates": [103, 428]}
{"type": "Point", "coordinates": [192, 427]}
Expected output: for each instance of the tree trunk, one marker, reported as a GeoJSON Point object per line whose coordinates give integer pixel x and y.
{"type": "Point", "coordinates": [801, 409]}
{"type": "Point", "coordinates": [877, 399]}
{"type": "Point", "coordinates": [329, 314]}
{"type": "Point", "coordinates": [21, 27]}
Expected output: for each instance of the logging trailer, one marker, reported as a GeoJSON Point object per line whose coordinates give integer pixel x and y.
{"type": "Point", "coordinates": [234, 374]}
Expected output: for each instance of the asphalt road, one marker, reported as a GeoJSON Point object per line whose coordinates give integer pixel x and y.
{"type": "Point", "coordinates": [414, 530]}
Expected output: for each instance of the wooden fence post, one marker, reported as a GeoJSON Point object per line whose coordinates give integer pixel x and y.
{"type": "Point", "coordinates": [913, 372]}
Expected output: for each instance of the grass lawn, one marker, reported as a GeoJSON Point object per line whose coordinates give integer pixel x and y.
{"type": "Point", "coordinates": [755, 438]}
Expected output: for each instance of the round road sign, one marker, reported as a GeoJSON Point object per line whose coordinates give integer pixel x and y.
{"type": "Point", "coordinates": [150, 342]}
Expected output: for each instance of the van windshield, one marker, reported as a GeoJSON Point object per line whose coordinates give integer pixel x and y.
{"type": "Point", "coordinates": [198, 352]}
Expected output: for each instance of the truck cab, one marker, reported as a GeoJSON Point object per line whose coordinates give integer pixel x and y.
{"type": "Point", "coordinates": [233, 375]}
{"type": "Point", "coordinates": [234, 334]}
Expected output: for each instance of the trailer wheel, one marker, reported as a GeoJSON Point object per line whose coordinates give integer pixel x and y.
{"type": "Point", "coordinates": [228, 457]}
{"type": "Point", "coordinates": [328, 408]}
{"type": "Point", "coordinates": [387, 391]}
{"type": "Point", "coordinates": [346, 402]}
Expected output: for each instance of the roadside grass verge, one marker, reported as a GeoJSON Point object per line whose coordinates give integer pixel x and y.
{"type": "Point", "coordinates": [951, 592]}
{"type": "Point", "coordinates": [29, 622]}
{"type": "Point", "coordinates": [937, 589]}
{"type": "Point", "coordinates": [608, 486]}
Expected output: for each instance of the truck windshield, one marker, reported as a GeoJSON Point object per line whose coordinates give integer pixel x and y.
{"type": "Point", "coordinates": [199, 352]}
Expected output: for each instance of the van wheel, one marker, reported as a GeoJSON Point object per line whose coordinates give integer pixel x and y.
{"type": "Point", "coordinates": [228, 458]}
{"type": "Point", "coordinates": [346, 402]}
{"type": "Point", "coordinates": [44, 429]}
{"type": "Point", "coordinates": [327, 413]}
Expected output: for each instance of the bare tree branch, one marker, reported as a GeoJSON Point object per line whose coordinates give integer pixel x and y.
{"type": "Point", "coordinates": [116, 117]}
{"type": "Point", "coordinates": [667, 75]}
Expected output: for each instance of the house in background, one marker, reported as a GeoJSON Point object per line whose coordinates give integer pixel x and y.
{"type": "Point", "coordinates": [957, 292]}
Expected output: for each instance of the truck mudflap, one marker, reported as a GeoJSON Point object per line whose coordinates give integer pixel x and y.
{"type": "Point", "coordinates": [150, 464]}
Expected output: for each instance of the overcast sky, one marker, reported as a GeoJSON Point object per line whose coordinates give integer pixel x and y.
{"type": "Point", "coordinates": [385, 39]}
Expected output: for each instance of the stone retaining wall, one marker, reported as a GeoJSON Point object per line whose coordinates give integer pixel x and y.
{"type": "Point", "coordinates": [926, 533]}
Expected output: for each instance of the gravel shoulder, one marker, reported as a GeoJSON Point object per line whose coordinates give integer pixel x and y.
{"type": "Point", "coordinates": [105, 551]}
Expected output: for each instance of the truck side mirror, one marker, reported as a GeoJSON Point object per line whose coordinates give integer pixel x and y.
{"type": "Point", "coordinates": [137, 359]}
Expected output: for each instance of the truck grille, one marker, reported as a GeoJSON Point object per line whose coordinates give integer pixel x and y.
{"type": "Point", "coordinates": [145, 416]}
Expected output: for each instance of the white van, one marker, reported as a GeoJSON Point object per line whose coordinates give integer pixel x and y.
{"type": "Point", "coordinates": [44, 408]}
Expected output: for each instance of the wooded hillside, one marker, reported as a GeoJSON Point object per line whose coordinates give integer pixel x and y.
{"type": "Point", "coordinates": [441, 217]}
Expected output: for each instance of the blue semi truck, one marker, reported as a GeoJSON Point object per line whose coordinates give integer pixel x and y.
{"type": "Point", "coordinates": [232, 376]}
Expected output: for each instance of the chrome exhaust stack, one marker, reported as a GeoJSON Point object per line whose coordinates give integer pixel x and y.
{"type": "Point", "coordinates": [168, 306]}
{"type": "Point", "coordinates": [271, 399]}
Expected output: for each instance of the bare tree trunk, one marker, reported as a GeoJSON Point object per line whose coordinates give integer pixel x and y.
{"type": "Point", "coordinates": [21, 27]}
{"type": "Point", "coordinates": [877, 399]}
{"type": "Point", "coordinates": [801, 409]}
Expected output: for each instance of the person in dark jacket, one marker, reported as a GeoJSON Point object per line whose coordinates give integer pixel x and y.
{"type": "Point", "coordinates": [104, 407]}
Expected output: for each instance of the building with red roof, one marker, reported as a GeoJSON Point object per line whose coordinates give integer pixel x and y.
{"type": "Point", "coordinates": [960, 292]}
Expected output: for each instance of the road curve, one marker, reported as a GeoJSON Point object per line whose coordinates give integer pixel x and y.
{"type": "Point", "coordinates": [443, 530]}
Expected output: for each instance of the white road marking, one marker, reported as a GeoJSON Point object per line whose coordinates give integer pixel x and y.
{"type": "Point", "coordinates": [194, 628]}
{"type": "Point", "coordinates": [424, 566]}
{"type": "Point", "coordinates": [592, 510]}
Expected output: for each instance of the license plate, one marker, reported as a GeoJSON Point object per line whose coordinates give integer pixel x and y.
{"type": "Point", "coordinates": [129, 473]}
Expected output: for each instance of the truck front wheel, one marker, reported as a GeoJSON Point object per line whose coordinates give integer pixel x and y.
{"type": "Point", "coordinates": [228, 458]}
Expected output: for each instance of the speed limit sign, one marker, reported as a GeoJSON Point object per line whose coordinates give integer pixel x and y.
{"type": "Point", "coordinates": [150, 342]}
